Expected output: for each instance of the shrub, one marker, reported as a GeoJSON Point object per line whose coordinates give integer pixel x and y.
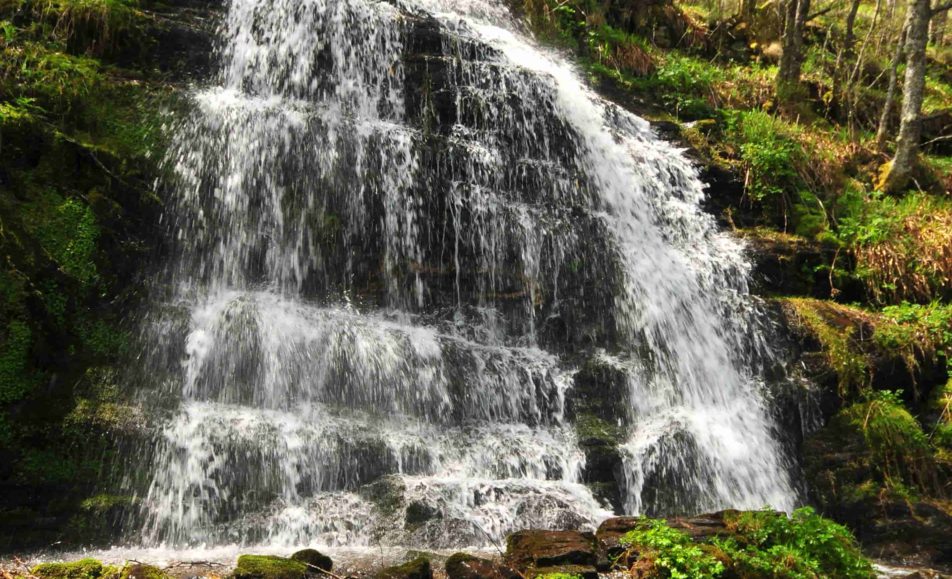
{"type": "Point", "coordinates": [804, 545]}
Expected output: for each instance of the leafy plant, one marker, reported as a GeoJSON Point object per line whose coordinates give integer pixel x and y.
{"type": "Point", "coordinates": [670, 550]}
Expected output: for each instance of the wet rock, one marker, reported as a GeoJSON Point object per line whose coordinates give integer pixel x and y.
{"type": "Point", "coordinates": [419, 512]}
{"type": "Point", "coordinates": [418, 568]}
{"type": "Point", "coordinates": [313, 559]}
{"type": "Point", "coordinates": [268, 567]}
{"type": "Point", "coordinates": [465, 566]}
{"type": "Point", "coordinates": [540, 552]}
{"type": "Point", "coordinates": [387, 493]}
{"type": "Point", "coordinates": [595, 405]}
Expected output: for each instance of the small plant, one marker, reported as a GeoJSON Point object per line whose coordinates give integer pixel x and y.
{"type": "Point", "coordinates": [670, 550]}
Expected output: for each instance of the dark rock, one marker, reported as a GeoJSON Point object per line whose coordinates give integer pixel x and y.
{"type": "Point", "coordinates": [386, 493]}
{"type": "Point", "coordinates": [268, 567]}
{"type": "Point", "coordinates": [465, 566]}
{"type": "Point", "coordinates": [536, 549]}
{"type": "Point", "coordinates": [419, 512]}
{"type": "Point", "coordinates": [313, 558]}
{"type": "Point", "coordinates": [418, 568]}
{"type": "Point", "coordinates": [790, 265]}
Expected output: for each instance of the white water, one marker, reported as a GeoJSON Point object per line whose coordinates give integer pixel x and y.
{"type": "Point", "coordinates": [379, 295]}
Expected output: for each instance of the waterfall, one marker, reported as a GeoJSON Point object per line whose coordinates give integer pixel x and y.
{"type": "Point", "coordinates": [396, 231]}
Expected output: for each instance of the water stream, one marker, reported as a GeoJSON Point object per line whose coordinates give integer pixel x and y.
{"type": "Point", "coordinates": [396, 232]}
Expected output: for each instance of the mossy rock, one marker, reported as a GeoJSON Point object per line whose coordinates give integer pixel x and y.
{"type": "Point", "coordinates": [418, 568]}
{"type": "Point", "coordinates": [142, 571]}
{"type": "Point", "coordinates": [466, 566]}
{"type": "Point", "coordinates": [268, 567]}
{"type": "Point", "coordinates": [82, 569]}
{"type": "Point", "coordinates": [313, 559]}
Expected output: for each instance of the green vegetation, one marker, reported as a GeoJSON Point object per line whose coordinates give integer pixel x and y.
{"type": "Point", "coordinates": [78, 119]}
{"type": "Point", "coordinates": [669, 552]}
{"type": "Point", "coordinates": [82, 569]}
{"type": "Point", "coordinates": [268, 567]}
{"type": "Point", "coordinates": [802, 546]}
{"type": "Point", "coordinates": [757, 544]}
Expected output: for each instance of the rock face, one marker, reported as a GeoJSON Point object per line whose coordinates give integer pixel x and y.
{"type": "Point", "coordinates": [418, 568]}
{"type": "Point", "coordinates": [841, 470]}
{"type": "Point", "coordinates": [542, 552]}
{"type": "Point", "coordinates": [465, 566]}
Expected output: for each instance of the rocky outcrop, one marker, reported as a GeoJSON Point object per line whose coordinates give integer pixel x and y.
{"type": "Point", "coordinates": [883, 483]}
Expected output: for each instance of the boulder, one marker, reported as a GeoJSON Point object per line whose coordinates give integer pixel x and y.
{"type": "Point", "coordinates": [466, 566]}
{"type": "Point", "coordinates": [313, 559]}
{"type": "Point", "coordinates": [268, 567]}
{"type": "Point", "coordinates": [418, 568]}
{"type": "Point", "coordinates": [541, 552]}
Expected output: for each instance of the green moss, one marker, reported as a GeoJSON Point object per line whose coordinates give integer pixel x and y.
{"type": "Point", "coordinates": [901, 457]}
{"type": "Point", "coordinates": [82, 569]}
{"type": "Point", "coordinates": [837, 339]}
{"type": "Point", "coordinates": [418, 568]}
{"type": "Point", "coordinates": [671, 550]}
{"type": "Point", "coordinates": [16, 379]}
{"type": "Point", "coordinates": [558, 576]}
{"type": "Point", "coordinates": [268, 567]}
{"type": "Point", "coordinates": [140, 571]}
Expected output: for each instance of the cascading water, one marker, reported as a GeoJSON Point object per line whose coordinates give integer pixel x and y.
{"type": "Point", "coordinates": [397, 230]}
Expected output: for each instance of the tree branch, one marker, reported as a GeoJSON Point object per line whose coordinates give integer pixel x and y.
{"type": "Point", "coordinates": [941, 8]}
{"type": "Point", "coordinates": [819, 13]}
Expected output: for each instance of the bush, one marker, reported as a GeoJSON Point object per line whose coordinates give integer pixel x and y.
{"type": "Point", "coordinates": [803, 546]}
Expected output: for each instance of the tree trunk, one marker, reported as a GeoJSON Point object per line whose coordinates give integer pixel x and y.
{"type": "Point", "coordinates": [843, 58]}
{"type": "Point", "coordinates": [791, 57]}
{"type": "Point", "coordinates": [884, 121]}
{"type": "Point", "coordinates": [918, 14]}
{"type": "Point", "coordinates": [937, 29]}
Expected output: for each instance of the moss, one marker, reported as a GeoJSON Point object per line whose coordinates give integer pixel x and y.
{"type": "Point", "coordinates": [268, 567]}
{"type": "Point", "coordinates": [418, 568]}
{"type": "Point", "coordinates": [836, 330]}
{"type": "Point", "coordinates": [141, 571]}
{"type": "Point", "coordinates": [900, 452]}
{"type": "Point", "coordinates": [82, 569]}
